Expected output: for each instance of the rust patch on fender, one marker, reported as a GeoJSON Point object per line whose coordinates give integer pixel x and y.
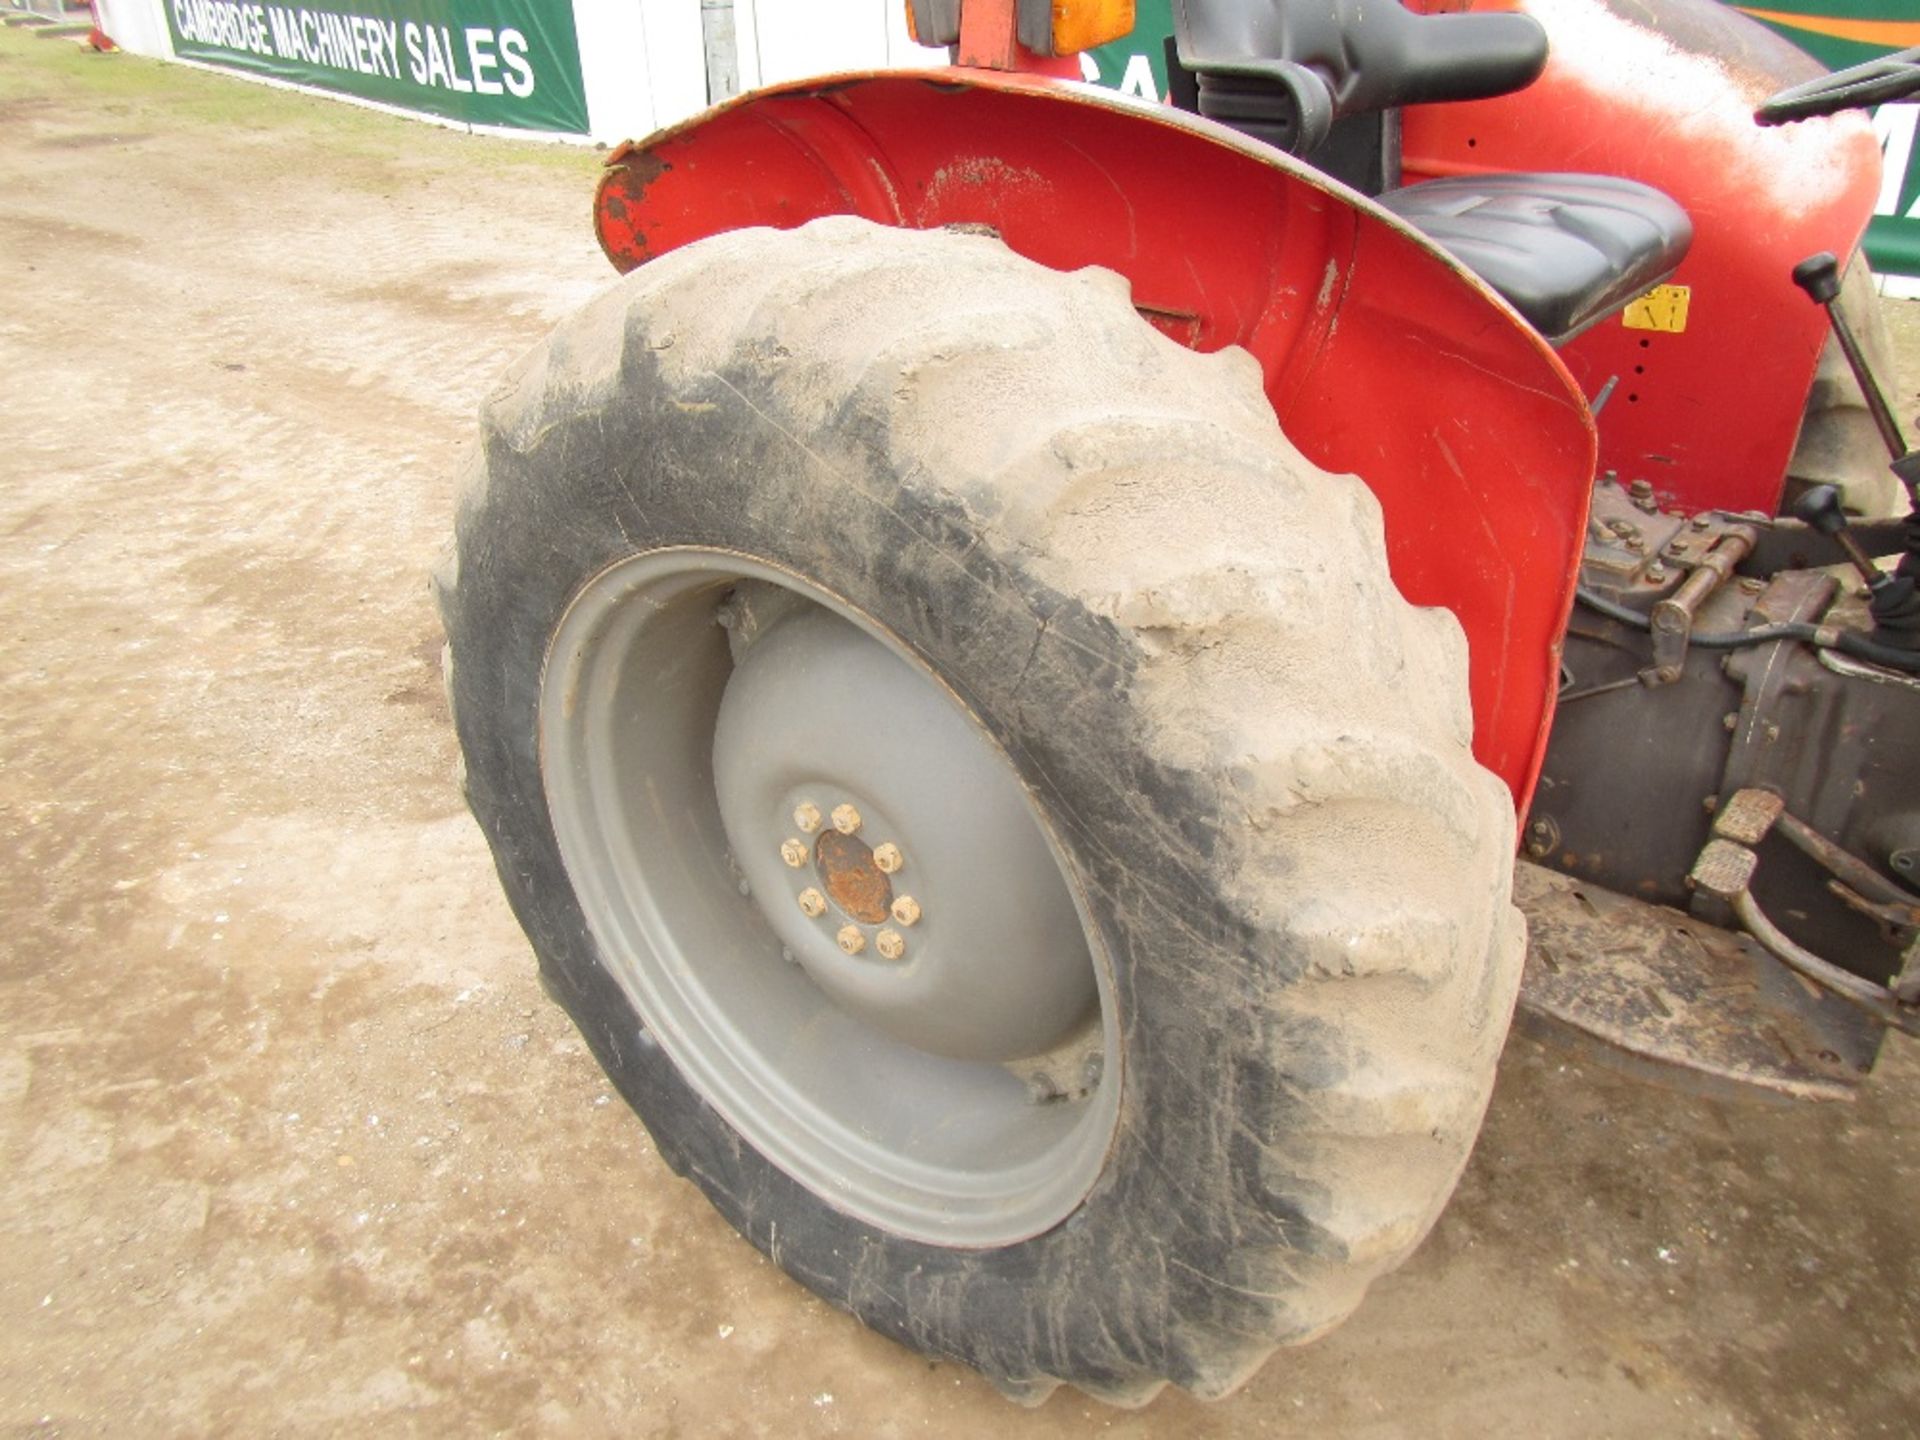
{"type": "Point", "coordinates": [620, 203]}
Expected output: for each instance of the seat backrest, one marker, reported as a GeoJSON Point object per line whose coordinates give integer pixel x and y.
{"type": "Point", "coordinates": [1285, 70]}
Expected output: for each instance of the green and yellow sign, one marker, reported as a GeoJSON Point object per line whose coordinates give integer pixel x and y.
{"type": "Point", "coordinates": [1839, 33]}
{"type": "Point", "coordinates": [486, 62]}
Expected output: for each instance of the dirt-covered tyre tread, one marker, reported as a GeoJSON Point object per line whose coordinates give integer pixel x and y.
{"type": "Point", "coordinates": [1317, 970]}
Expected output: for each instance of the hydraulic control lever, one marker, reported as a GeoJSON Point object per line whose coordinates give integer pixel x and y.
{"type": "Point", "coordinates": [1893, 600]}
{"type": "Point", "coordinates": [1819, 276]}
{"type": "Point", "coordinates": [1820, 508]}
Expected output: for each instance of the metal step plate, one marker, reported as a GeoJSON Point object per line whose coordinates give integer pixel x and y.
{"type": "Point", "coordinates": [1657, 985]}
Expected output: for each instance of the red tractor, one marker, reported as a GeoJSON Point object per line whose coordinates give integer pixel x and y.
{"type": "Point", "coordinates": [1000, 664]}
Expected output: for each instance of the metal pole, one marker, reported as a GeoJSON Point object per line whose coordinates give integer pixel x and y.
{"type": "Point", "coordinates": [723, 51]}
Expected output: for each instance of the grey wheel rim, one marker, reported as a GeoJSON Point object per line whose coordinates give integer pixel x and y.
{"type": "Point", "coordinates": [829, 897]}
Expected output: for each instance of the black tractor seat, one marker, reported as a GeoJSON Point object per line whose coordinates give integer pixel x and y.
{"type": "Point", "coordinates": [1300, 75]}
{"type": "Point", "coordinates": [1564, 250]}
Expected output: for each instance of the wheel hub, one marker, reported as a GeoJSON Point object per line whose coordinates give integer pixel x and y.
{"type": "Point", "coordinates": [986, 959]}
{"type": "Point", "coordinates": [847, 1005]}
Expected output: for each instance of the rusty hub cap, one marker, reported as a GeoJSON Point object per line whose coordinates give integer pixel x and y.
{"type": "Point", "coordinates": [852, 880]}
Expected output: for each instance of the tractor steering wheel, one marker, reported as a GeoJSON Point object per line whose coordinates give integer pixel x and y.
{"type": "Point", "coordinates": [1891, 77]}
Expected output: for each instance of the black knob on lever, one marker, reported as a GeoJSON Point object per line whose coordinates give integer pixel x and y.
{"type": "Point", "coordinates": [1819, 276]}
{"type": "Point", "coordinates": [1820, 508]}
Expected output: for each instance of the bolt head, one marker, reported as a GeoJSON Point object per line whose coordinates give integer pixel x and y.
{"type": "Point", "coordinates": [794, 852]}
{"type": "Point", "coordinates": [850, 939]}
{"type": "Point", "coordinates": [891, 944]}
{"type": "Point", "coordinates": [846, 819]}
{"type": "Point", "coordinates": [1041, 1089]}
{"type": "Point", "coordinates": [812, 903]}
{"type": "Point", "coordinates": [888, 857]}
{"type": "Point", "coordinates": [806, 817]}
{"type": "Point", "coordinates": [906, 910]}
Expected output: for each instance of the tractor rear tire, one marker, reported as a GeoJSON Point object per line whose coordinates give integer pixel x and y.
{"type": "Point", "coordinates": [932, 478]}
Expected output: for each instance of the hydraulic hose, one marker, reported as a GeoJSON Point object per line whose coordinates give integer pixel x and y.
{"type": "Point", "coordinates": [1848, 642]}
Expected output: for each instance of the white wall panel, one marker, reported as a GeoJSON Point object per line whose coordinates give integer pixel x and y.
{"type": "Point", "coordinates": [676, 59]}
{"type": "Point", "coordinates": [792, 39]}
{"type": "Point", "coordinates": [137, 26]}
{"type": "Point", "coordinates": [615, 63]}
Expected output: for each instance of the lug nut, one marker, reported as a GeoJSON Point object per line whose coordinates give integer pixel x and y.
{"type": "Point", "coordinates": [906, 910]}
{"type": "Point", "coordinates": [812, 903]}
{"type": "Point", "coordinates": [806, 815]}
{"type": "Point", "coordinates": [851, 940]}
{"type": "Point", "coordinates": [794, 852]}
{"type": "Point", "coordinates": [888, 857]}
{"type": "Point", "coordinates": [846, 819]}
{"type": "Point", "coordinates": [890, 944]}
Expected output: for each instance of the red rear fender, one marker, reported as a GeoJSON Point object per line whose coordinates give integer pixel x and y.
{"type": "Point", "coordinates": [1382, 357]}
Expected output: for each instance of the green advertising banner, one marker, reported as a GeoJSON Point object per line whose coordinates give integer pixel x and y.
{"type": "Point", "coordinates": [1838, 33]}
{"type": "Point", "coordinates": [1135, 65]}
{"type": "Point", "coordinates": [512, 63]}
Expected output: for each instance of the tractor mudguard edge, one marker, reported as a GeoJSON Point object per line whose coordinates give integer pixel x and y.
{"type": "Point", "coordinates": [1381, 355]}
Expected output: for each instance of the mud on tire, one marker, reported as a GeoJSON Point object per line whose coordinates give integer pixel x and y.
{"type": "Point", "coordinates": [1250, 754]}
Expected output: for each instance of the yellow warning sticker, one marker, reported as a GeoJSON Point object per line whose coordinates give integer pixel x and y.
{"type": "Point", "coordinates": [1662, 308]}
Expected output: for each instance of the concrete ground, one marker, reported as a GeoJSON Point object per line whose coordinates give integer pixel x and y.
{"type": "Point", "coordinates": [290, 1142]}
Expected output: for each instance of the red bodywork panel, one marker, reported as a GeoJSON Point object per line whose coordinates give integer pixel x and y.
{"type": "Point", "coordinates": [1382, 356]}
{"type": "Point", "coordinates": [1663, 91]}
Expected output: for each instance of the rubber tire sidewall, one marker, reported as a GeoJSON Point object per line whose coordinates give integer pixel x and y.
{"type": "Point", "coordinates": [1174, 1267]}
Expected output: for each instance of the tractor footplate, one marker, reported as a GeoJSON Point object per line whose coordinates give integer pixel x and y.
{"type": "Point", "coordinates": [1659, 986]}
